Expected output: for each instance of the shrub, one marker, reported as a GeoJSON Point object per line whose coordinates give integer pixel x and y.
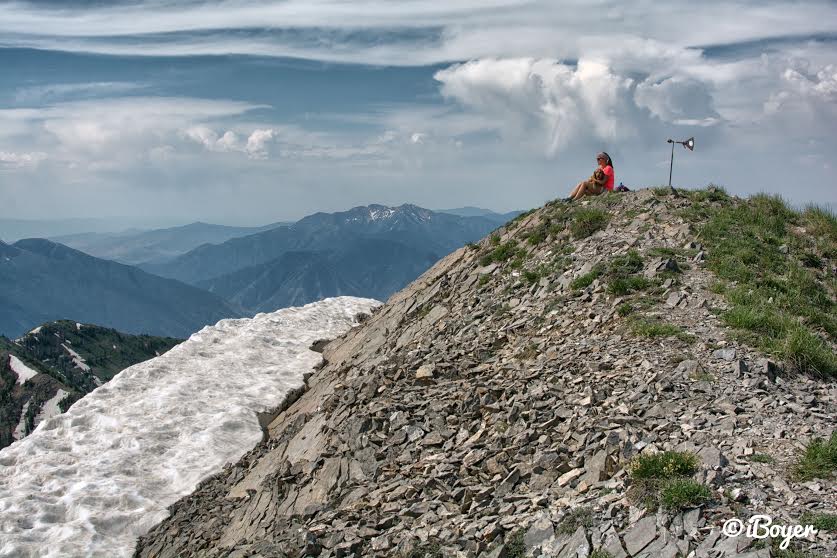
{"type": "Point", "coordinates": [586, 221]}
{"type": "Point", "coordinates": [682, 494]}
{"type": "Point", "coordinates": [819, 459]}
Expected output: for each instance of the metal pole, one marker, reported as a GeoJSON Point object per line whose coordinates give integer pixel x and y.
{"type": "Point", "coordinates": [671, 165]}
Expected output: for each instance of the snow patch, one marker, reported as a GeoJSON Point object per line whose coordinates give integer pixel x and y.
{"type": "Point", "coordinates": [23, 372]}
{"type": "Point", "coordinates": [50, 408]}
{"type": "Point", "coordinates": [20, 430]}
{"type": "Point", "coordinates": [36, 331]}
{"type": "Point", "coordinates": [93, 479]}
{"type": "Point", "coordinates": [77, 360]}
{"type": "Point", "coordinates": [78, 326]}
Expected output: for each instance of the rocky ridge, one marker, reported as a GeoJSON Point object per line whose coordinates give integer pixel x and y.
{"type": "Point", "coordinates": [493, 407]}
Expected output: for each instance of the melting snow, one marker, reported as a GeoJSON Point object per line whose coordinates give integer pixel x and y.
{"type": "Point", "coordinates": [89, 481]}
{"type": "Point", "coordinates": [77, 360]}
{"type": "Point", "coordinates": [50, 408]}
{"type": "Point", "coordinates": [20, 429]}
{"type": "Point", "coordinates": [23, 372]}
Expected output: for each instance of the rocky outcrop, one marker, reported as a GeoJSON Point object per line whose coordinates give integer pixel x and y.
{"type": "Point", "coordinates": [492, 407]}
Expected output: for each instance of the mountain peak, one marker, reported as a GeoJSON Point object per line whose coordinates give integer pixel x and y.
{"type": "Point", "coordinates": [528, 380]}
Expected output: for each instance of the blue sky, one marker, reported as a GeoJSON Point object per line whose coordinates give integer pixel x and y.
{"type": "Point", "coordinates": [250, 112]}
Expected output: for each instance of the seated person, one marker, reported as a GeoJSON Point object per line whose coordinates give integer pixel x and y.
{"type": "Point", "coordinates": [602, 179]}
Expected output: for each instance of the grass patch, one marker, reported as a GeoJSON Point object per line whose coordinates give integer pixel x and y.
{"type": "Point", "coordinates": [761, 458]}
{"type": "Point", "coordinates": [662, 479]}
{"type": "Point", "coordinates": [781, 301]}
{"type": "Point", "coordinates": [712, 193]}
{"type": "Point", "coordinates": [683, 494]}
{"type": "Point", "coordinates": [598, 553]}
{"type": "Point", "coordinates": [584, 281]}
{"type": "Point", "coordinates": [665, 465]}
{"type": "Point", "coordinates": [625, 309]}
{"type": "Point", "coordinates": [515, 547]}
{"type": "Point", "coordinates": [430, 549]}
{"type": "Point", "coordinates": [625, 285]}
{"type": "Point", "coordinates": [483, 280]}
{"type": "Point", "coordinates": [652, 328]}
{"type": "Point", "coordinates": [578, 517]}
{"type": "Point", "coordinates": [588, 220]}
{"type": "Point", "coordinates": [820, 521]}
{"type": "Point", "coordinates": [501, 253]}
{"type": "Point", "coordinates": [819, 459]}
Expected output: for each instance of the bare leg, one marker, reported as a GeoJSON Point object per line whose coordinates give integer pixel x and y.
{"type": "Point", "coordinates": [581, 191]}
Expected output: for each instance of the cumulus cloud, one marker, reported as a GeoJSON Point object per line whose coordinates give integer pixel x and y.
{"type": "Point", "coordinates": [255, 145]}
{"type": "Point", "coordinates": [571, 104]}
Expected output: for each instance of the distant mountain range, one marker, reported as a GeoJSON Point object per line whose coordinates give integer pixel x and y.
{"type": "Point", "coordinates": [41, 281]}
{"type": "Point", "coordinates": [368, 267]}
{"type": "Point", "coordinates": [422, 229]}
{"type": "Point", "coordinates": [369, 251]}
{"type": "Point", "coordinates": [48, 369]}
{"type": "Point", "coordinates": [155, 246]}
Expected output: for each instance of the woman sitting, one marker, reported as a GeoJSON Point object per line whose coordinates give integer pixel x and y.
{"type": "Point", "coordinates": [602, 179]}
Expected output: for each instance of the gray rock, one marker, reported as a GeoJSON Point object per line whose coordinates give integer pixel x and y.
{"type": "Point", "coordinates": [641, 534]}
{"type": "Point", "coordinates": [724, 354]}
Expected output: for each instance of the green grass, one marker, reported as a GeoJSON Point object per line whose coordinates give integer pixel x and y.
{"type": "Point", "coordinates": [663, 479]}
{"type": "Point", "coordinates": [588, 220]}
{"type": "Point", "coordinates": [645, 327]}
{"type": "Point", "coordinates": [587, 279]}
{"type": "Point", "coordinates": [819, 460]}
{"type": "Point", "coordinates": [625, 309]}
{"type": "Point", "coordinates": [821, 521]}
{"type": "Point", "coordinates": [781, 302]}
{"type": "Point", "coordinates": [431, 549]}
{"type": "Point", "coordinates": [681, 494]}
{"type": "Point", "coordinates": [598, 553]}
{"type": "Point", "coordinates": [761, 458]}
{"type": "Point", "coordinates": [515, 548]}
{"type": "Point", "coordinates": [712, 193]}
{"type": "Point", "coordinates": [577, 517]}
{"type": "Point", "coordinates": [665, 465]}
{"type": "Point", "coordinates": [621, 286]}
{"type": "Point", "coordinates": [501, 252]}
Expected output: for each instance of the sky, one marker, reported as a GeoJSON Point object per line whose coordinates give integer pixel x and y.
{"type": "Point", "coordinates": [249, 112]}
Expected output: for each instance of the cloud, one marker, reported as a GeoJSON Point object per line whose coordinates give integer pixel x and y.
{"type": "Point", "coordinates": [39, 94]}
{"type": "Point", "coordinates": [11, 160]}
{"type": "Point", "coordinates": [112, 130]}
{"type": "Point", "coordinates": [557, 105]}
{"type": "Point", "coordinates": [410, 33]}
{"type": "Point", "coordinates": [255, 146]}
